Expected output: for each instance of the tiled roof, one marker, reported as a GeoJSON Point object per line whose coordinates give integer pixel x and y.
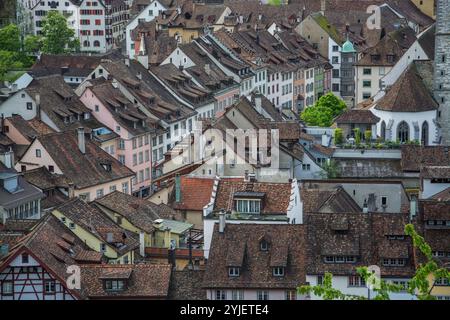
{"type": "Point", "coordinates": [286, 248]}
{"type": "Point", "coordinates": [69, 65]}
{"type": "Point", "coordinates": [144, 281]}
{"type": "Point", "coordinates": [369, 168]}
{"type": "Point", "coordinates": [84, 170]}
{"type": "Point", "coordinates": [141, 213]}
{"type": "Point", "coordinates": [58, 101]}
{"type": "Point", "coordinates": [432, 209]}
{"type": "Point", "coordinates": [418, 99]}
{"type": "Point", "coordinates": [23, 126]}
{"type": "Point", "coordinates": [43, 179]}
{"type": "Point", "coordinates": [186, 285]}
{"type": "Point", "coordinates": [414, 157]}
{"type": "Point", "coordinates": [275, 202]}
{"type": "Point", "coordinates": [195, 193]}
{"type": "Point", "coordinates": [360, 235]}
{"type": "Point", "coordinates": [94, 221]}
{"type": "Point", "coordinates": [435, 172]}
{"type": "Point", "coordinates": [444, 195]}
{"type": "Point", "coordinates": [357, 116]}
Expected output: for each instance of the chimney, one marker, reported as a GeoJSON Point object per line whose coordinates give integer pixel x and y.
{"type": "Point", "coordinates": [365, 207]}
{"type": "Point", "coordinates": [109, 237]}
{"type": "Point", "coordinates": [177, 188]}
{"type": "Point", "coordinates": [258, 103]}
{"type": "Point", "coordinates": [222, 221]}
{"type": "Point", "coordinates": [323, 6]}
{"type": "Point", "coordinates": [9, 159]}
{"type": "Point", "coordinates": [127, 62]}
{"type": "Point", "coordinates": [114, 83]}
{"type": "Point", "coordinates": [412, 208]}
{"type": "Point", "coordinates": [81, 142]}
{"type": "Point", "coordinates": [71, 190]}
{"type": "Point", "coordinates": [37, 99]}
{"type": "Point", "coordinates": [325, 140]}
{"type": "Point", "coordinates": [142, 244]}
{"type": "Point", "coordinates": [246, 176]}
{"type": "Point", "coordinates": [171, 256]}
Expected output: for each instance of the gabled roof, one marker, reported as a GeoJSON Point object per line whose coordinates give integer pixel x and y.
{"type": "Point", "coordinates": [92, 220]}
{"type": "Point", "coordinates": [414, 157]}
{"type": "Point", "coordinates": [329, 28]}
{"type": "Point", "coordinates": [357, 116]}
{"type": "Point", "coordinates": [23, 126]}
{"type": "Point", "coordinates": [141, 213]}
{"type": "Point", "coordinates": [143, 281]}
{"type": "Point", "coordinates": [195, 193]}
{"type": "Point", "coordinates": [444, 195]}
{"type": "Point", "coordinates": [240, 246]}
{"type": "Point", "coordinates": [66, 65]}
{"type": "Point", "coordinates": [84, 170]}
{"type": "Point", "coordinates": [418, 99]}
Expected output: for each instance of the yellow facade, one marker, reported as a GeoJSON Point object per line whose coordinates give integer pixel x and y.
{"type": "Point", "coordinates": [426, 6]}
{"type": "Point", "coordinates": [438, 291]}
{"type": "Point", "coordinates": [95, 243]}
{"type": "Point", "coordinates": [186, 35]}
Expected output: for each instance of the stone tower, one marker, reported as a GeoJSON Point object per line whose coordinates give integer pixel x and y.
{"type": "Point", "coordinates": [441, 83]}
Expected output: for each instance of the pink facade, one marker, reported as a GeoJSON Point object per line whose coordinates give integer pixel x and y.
{"type": "Point", "coordinates": [15, 134]}
{"type": "Point", "coordinates": [133, 151]}
{"type": "Point", "coordinates": [226, 99]}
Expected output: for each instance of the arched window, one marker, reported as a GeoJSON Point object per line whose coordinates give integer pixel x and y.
{"type": "Point", "coordinates": [403, 132]}
{"type": "Point", "coordinates": [383, 130]}
{"type": "Point", "coordinates": [96, 43]}
{"type": "Point", "coordinates": [86, 43]}
{"type": "Point", "coordinates": [425, 133]}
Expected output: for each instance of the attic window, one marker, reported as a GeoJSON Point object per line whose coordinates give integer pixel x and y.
{"type": "Point", "coordinates": [234, 271]}
{"type": "Point", "coordinates": [25, 258]}
{"type": "Point", "coordinates": [248, 206]}
{"type": "Point", "coordinates": [114, 285]}
{"type": "Point", "coordinates": [264, 245]}
{"type": "Point", "coordinates": [278, 271]}
{"type": "Point", "coordinates": [107, 167]}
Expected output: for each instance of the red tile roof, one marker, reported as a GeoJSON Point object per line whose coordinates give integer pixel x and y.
{"type": "Point", "coordinates": [195, 193]}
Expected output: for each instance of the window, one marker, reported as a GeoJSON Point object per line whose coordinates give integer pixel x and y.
{"type": "Point", "coordinates": [264, 245]}
{"type": "Point", "coordinates": [382, 71]}
{"type": "Point", "coordinates": [29, 106]}
{"type": "Point", "coordinates": [319, 280]}
{"type": "Point", "coordinates": [135, 159]}
{"type": "Point", "coordinates": [51, 168]}
{"type": "Point", "coordinates": [335, 60]}
{"type": "Point", "coordinates": [367, 84]}
{"type": "Point", "coordinates": [291, 295]}
{"type": "Point", "coordinates": [335, 48]}
{"type": "Point", "coordinates": [441, 282]}
{"type": "Point", "coordinates": [72, 225]}
{"type": "Point", "coordinates": [356, 281]}
{"type": "Point", "coordinates": [112, 188]}
{"type": "Point", "coordinates": [25, 258]}
{"type": "Point", "coordinates": [306, 167]}
{"type": "Point", "coordinates": [7, 288]}
{"type": "Point", "coordinates": [335, 73]}
{"type": "Point", "coordinates": [49, 286]}
{"type": "Point", "coordinates": [98, 22]}
{"type": "Point", "coordinates": [248, 206]}
{"type": "Point", "coordinates": [114, 285]}
{"type": "Point", "coordinates": [233, 271]}
{"type": "Point", "coordinates": [403, 132]}
{"type": "Point", "coordinates": [262, 295]}
{"type": "Point", "coordinates": [278, 271]}
{"type": "Point", "coordinates": [367, 71]}
{"type": "Point", "coordinates": [122, 159]}
{"type": "Point", "coordinates": [38, 153]}
{"type": "Point", "coordinates": [366, 95]}
{"type": "Point", "coordinates": [102, 247]}
{"type": "Point", "coordinates": [384, 202]}
{"type": "Point", "coordinates": [424, 138]}
{"type": "Point", "coordinates": [335, 87]}
{"type": "Point", "coordinates": [394, 262]}
{"type": "Point", "coordinates": [125, 187]}
{"type": "Point", "coordinates": [99, 193]}
{"type": "Point", "coordinates": [237, 295]}
{"type": "Point", "coordinates": [221, 295]}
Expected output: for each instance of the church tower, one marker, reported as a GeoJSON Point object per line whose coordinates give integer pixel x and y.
{"type": "Point", "coordinates": [441, 83]}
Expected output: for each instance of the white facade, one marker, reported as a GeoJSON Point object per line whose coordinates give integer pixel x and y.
{"type": "Point", "coordinates": [334, 54]}
{"type": "Point", "coordinates": [280, 89]}
{"type": "Point", "coordinates": [341, 283]}
{"type": "Point", "coordinates": [148, 14]}
{"type": "Point", "coordinates": [92, 27]}
{"type": "Point", "coordinates": [416, 122]}
{"type": "Point", "coordinates": [253, 294]}
{"type": "Point", "coordinates": [429, 188]}
{"type": "Point", "coordinates": [40, 9]}
{"type": "Point", "coordinates": [19, 103]}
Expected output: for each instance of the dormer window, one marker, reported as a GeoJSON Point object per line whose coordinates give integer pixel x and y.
{"type": "Point", "coordinates": [234, 271]}
{"type": "Point", "coordinates": [278, 271]}
{"type": "Point", "coordinates": [248, 206]}
{"type": "Point", "coordinates": [264, 245]}
{"type": "Point", "coordinates": [114, 285]}
{"type": "Point", "coordinates": [394, 262]}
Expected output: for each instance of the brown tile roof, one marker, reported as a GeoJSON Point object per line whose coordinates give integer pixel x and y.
{"type": "Point", "coordinates": [364, 236]}
{"type": "Point", "coordinates": [23, 126]}
{"type": "Point", "coordinates": [432, 209]}
{"type": "Point", "coordinates": [195, 193]}
{"type": "Point", "coordinates": [276, 195]}
{"type": "Point", "coordinates": [84, 170]}
{"type": "Point", "coordinates": [286, 248]}
{"type": "Point", "coordinates": [40, 127]}
{"type": "Point", "coordinates": [357, 116]}
{"type": "Point", "coordinates": [186, 285]}
{"type": "Point", "coordinates": [141, 213]}
{"type": "Point", "coordinates": [44, 180]}
{"type": "Point", "coordinates": [435, 172]}
{"type": "Point", "coordinates": [414, 157]}
{"type": "Point", "coordinates": [418, 99]}
{"type": "Point", "coordinates": [69, 65]}
{"type": "Point", "coordinates": [322, 149]}
{"type": "Point", "coordinates": [143, 281]}
{"type": "Point", "coordinates": [92, 220]}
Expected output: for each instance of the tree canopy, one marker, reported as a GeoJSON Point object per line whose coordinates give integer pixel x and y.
{"type": "Point", "coordinates": [57, 36]}
{"type": "Point", "coordinates": [324, 111]}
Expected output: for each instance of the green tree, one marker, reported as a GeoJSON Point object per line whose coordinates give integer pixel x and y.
{"type": "Point", "coordinates": [32, 44]}
{"type": "Point", "coordinates": [419, 285]}
{"type": "Point", "coordinates": [10, 38]}
{"type": "Point", "coordinates": [368, 135]}
{"type": "Point", "coordinates": [324, 111]}
{"type": "Point", "coordinates": [57, 37]}
{"type": "Point", "coordinates": [338, 137]}
{"type": "Point", "coordinates": [331, 170]}
{"type": "Point", "coordinates": [8, 61]}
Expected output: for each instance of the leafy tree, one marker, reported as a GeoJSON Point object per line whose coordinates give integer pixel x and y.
{"type": "Point", "coordinates": [32, 44]}
{"type": "Point", "coordinates": [10, 38]}
{"type": "Point", "coordinates": [419, 285]}
{"type": "Point", "coordinates": [338, 136]}
{"type": "Point", "coordinates": [57, 37]}
{"type": "Point", "coordinates": [324, 111]}
{"type": "Point", "coordinates": [8, 61]}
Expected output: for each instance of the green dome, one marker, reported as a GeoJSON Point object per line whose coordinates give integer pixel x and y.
{"type": "Point", "coordinates": [348, 47]}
